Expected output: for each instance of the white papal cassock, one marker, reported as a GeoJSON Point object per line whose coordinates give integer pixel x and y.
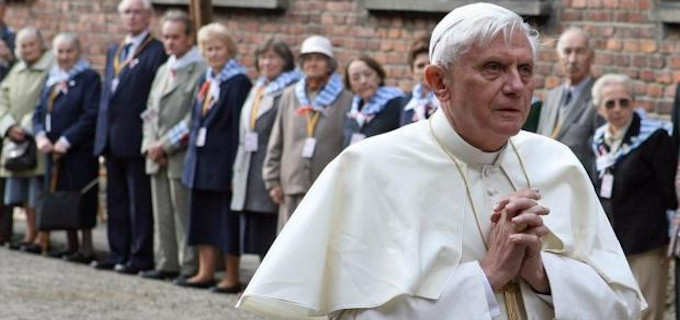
{"type": "Point", "coordinates": [387, 232]}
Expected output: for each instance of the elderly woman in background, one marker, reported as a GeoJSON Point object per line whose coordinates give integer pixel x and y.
{"type": "Point", "coordinates": [636, 163]}
{"type": "Point", "coordinates": [275, 63]}
{"type": "Point", "coordinates": [307, 132]}
{"type": "Point", "coordinates": [375, 108]}
{"type": "Point", "coordinates": [421, 102]}
{"type": "Point", "coordinates": [19, 93]}
{"type": "Point", "coordinates": [210, 158]}
{"type": "Point", "coordinates": [63, 122]}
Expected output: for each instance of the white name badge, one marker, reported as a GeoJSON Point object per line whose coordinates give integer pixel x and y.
{"type": "Point", "coordinates": [606, 186]}
{"type": "Point", "coordinates": [114, 84]}
{"type": "Point", "coordinates": [48, 122]}
{"type": "Point", "coordinates": [200, 138]}
{"type": "Point", "coordinates": [251, 141]}
{"type": "Point", "coordinates": [356, 137]}
{"type": "Point", "coordinates": [308, 149]}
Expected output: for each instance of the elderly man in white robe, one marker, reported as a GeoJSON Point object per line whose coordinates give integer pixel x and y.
{"type": "Point", "coordinates": [448, 218]}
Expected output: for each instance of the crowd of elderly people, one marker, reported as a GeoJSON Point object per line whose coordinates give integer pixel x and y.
{"type": "Point", "coordinates": [204, 164]}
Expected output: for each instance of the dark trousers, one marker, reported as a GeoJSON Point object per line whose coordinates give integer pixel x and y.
{"type": "Point", "coordinates": [6, 221]}
{"type": "Point", "coordinates": [130, 219]}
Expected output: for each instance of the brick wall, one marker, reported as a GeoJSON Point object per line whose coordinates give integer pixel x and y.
{"type": "Point", "coordinates": [627, 37]}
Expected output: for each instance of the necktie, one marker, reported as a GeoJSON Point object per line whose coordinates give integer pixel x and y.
{"type": "Point", "coordinates": [125, 52]}
{"type": "Point", "coordinates": [568, 97]}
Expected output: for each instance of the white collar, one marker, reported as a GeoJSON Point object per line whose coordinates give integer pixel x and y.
{"type": "Point", "coordinates": [576, 89]}
{"type": "Point", "coordinates": [459, 147]}
{"type": "Point", "coordinates": [136, 40]}
{"type": "Point", "coordinates": [188, 58]}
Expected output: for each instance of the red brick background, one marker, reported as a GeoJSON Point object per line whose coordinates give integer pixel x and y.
{"type": "Point", "coordinates": [627, 37]}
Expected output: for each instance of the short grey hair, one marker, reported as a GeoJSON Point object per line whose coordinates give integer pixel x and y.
{"type": "Point", "coordinates": [146, 4]}
{"type": "Point", "coordinates": [179, 16]}
{"type": "Point", "coordinates": [579, 31]}
{"type": "Point", "coordinates": [478, 23]}
{"type": "Point", "coordinates": [25, 34]}
{"type": "Point", "coordinates": [607, 80]}
{"type": "Point", "coordinates": [66, 37]}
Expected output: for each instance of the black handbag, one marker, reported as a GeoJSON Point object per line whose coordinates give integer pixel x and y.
{"type": "Point", "coordinates": [20, 156]}
{"type": "Point", "coordinates": [60, 210]}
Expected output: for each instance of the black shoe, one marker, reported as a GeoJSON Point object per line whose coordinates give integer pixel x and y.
{"type": "Point", "coordinates": [17, 245]}
{"type": "Point", "coordinates": [227, 290]}
{"type": "Point", "coordinates": [80, 257]}
{"type": "Point", "coordinates": [103, 265]}
{"type": "Point", "coordinates": [184, 282]}
{"type": "Point", "coordinates": [125, 269]}
{"type": "Point", "coordinates": [61, 254]}
{"type": "Point", "coordinates": [159, 274]}
{"type": "Point", "coordinates": [31, 248]}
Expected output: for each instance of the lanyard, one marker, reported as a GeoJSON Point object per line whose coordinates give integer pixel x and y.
{"type": "Point", "coordinates": [118, 65]}
{"type": "Point", "coordinates": [256, 107]}
{"type": "Point", "coordinates": [53, 96]}
{"type": "Point", "coordinates": [207, 101]}
{"type": "Point", "coordinates": [312, 122]}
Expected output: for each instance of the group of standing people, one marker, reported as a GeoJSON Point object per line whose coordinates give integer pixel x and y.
{"type": "Point", "coordinates": [201, 163]}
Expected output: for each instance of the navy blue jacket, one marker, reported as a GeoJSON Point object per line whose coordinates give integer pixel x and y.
{"type": "Point", "coordinates": [210, 167]}
{"type": "Point", "coordinates": [73, 117]}
{"type": "Point", "coordinates": [119, 126]}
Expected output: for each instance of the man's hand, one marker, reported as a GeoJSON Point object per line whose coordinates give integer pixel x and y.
{"type": "Point", "coordinates": [43, 144]}
{"type": "Point", "coordinates": [156, 153]}
{"type": "Point", "coordinates": [504, 257]}
{"type": "Point", "coordinates": [16, 133]}
{"type": "Point", "coordinates": [276, 194]}
{"type": "Point", "coordinates": [524, 212]}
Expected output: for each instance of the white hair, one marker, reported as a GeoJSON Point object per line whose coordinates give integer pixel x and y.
{"type": "Point", "coordinates": [570, 30]}
{"type": "Point", "coordinates": [607, 80]}
{"type": "Point", "coordinates": [478, 23]}
{"type": "Point", "coordinates": [66, 37]}
{"type": "Point", "coordinates": [27, 33]}
{"type": "Point", "coordinates": [146, 4]}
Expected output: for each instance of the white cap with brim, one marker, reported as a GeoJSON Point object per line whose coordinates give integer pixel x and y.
{"type": "Point", "coordinates": [317, 44]}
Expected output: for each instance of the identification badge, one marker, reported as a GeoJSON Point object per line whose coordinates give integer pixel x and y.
{"type": "Point", "coordinates": [308, 149]}
{"type": "Point", "coordinates": [114, 84]}
{"type": "Point", "coordinates": [200, 138]}
{"type": "Point", "coordinates": [356, 137]}
{"type": "Point", "coordinates": [48, 122]}
{"type": "Point", "coordinates": [251, 141]}
{"type": "Point", "coordinates": [606, 186]}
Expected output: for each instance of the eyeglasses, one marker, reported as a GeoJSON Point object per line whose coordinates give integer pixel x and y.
{"type": "Point", "coordinates": [623, 103]}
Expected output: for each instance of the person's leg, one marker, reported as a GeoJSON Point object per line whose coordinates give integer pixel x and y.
{"type": "Point", "coordinates": [207, 259]}
{"type": "Point", "coordinates": [186, 254]}
{"type": "Point", "coordinates": [165, 244]}
{"type": "Point", "coordinates": [6, 217]}
{"type": "Point", "coordinates": [651, 272]}
{"type": "Point", "coordinates": [231, 272]}
{"type": "Point", "coordinates": [86, 247]}
{"type": "Point", "coordinates": [118, 211]}
{"type": "Point", "coordinates": [140, 214]}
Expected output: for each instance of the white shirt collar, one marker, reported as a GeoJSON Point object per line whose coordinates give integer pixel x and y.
{"type": "Point", "coordinates": [459, 147]}
{"type": "Point", "coordinates": [188, 58]}
{"type": "Point", "coordinates": [135, 41]}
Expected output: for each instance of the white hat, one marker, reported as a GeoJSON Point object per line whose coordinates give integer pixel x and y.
{"type": "Point", "coordinates": [317, 44]}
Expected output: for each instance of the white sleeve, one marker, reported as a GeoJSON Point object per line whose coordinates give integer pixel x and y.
{"type": "Point", "coordinates": [467, 295]}
{"type": "Point", "coordinates": [578, 292]}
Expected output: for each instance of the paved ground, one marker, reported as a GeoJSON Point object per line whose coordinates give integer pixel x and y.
{"type": "Point", "coordinates": [36, 287]}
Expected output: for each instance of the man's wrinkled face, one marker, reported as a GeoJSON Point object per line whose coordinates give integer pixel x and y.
{"type": "Point", "coordinates": [575, 57]}
{"type": "Point", "coordinates": [489, 90]}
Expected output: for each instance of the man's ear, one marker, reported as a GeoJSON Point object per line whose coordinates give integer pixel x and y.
{"type": "Point", "coordinates": [435, 78]}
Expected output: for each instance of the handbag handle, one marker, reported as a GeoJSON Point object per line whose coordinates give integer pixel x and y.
{"type": "Point", "coordinates": [54, 175]}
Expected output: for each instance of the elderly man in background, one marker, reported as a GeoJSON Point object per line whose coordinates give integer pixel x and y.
{"type": "Point", "coordinates": [567, 115]}
{"type": "Point", "coordinates": [130, 69]}
{"type": "Point", "coordinates": [169, 103]}
{"type": "Point", "coordinates": [441, 220]}
{"type": "Point", "coordinates": [308, 130]}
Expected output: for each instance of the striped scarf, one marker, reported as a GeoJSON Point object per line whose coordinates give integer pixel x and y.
{"type": "Point", "coordinates": [422, 105]}
{"type": "Point", "coordinates": [57, 75]}
{"type": "Point", "coordinates": [231, 68]}
{"type": "Point", "coordinates": [330, 92]}
{"type": "Point", "coordinates": [274, 88]}
{"type": "Point", "coordinates": [605, 159]}
{"type": "Point", "coordinates": [375, 105]}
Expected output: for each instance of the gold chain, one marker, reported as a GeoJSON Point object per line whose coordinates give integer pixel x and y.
{"type": "Point", "coordinates": [512, 294]}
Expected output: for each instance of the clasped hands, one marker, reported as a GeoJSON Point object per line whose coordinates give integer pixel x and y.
{"type": "Point", "coordinates": [514, 241]}
{"type": "Point", "coordinates": [157, 154]}
{"type": "Point", "coordinates": [57, 149]}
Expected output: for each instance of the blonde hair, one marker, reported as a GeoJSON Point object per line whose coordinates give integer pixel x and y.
{"type": "Point", "coordinates": [216, 31]}
{"type": "Point", "coordinates": [66, 37]}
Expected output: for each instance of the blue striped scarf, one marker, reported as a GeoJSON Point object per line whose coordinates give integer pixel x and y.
{"type": "Point", "coordinates": [274, 88]}
{"type": "Point", "coordinates": [647, 127]}
{"type": "Point", "coordinates": [231, 68]}
{"type": "Point", "coordinates": [378, 102]}
{"type": "Point", "coordinates": [57, 75]}
{"type": "Point", "coordinates": [325, 98]}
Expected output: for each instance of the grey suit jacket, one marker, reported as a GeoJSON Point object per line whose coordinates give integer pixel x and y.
{"type": "Point", "coordinates": [580, 119]}
{"type": "Point", "coordinates": [165, 108]}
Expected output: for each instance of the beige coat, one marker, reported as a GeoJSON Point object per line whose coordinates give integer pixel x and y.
{"type": "Point", "coordinates": [19, 93]}
{"type": "Point", "coordinates": [165, 108]}
{"type": "Point", "coordinates": [284, 164]}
